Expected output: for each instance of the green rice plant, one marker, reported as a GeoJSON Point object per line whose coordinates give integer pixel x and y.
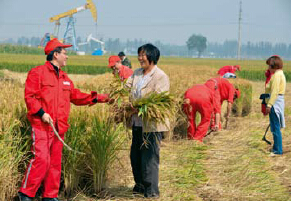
{"type": "Point", "coordinates": [259, 75]}
{"type": "Point", "coordinates": [71, 69]}
{"type": "Point", "coordinates": [85, 69]}
{"type": "Point", "coordinates": [73, 163]}
{"type": "Point", "coordinates": [104, 143]}
{"type": "Point", "coordinates": [254, 75]}
{"type": "Point", "coordinates": [243, 105]}
{"type": "Point", "coordinates": [13, 148]}
{"type": "Point", "coordinates": [10, 157]}
{"type": "Point", "coordinates": [20, 49]}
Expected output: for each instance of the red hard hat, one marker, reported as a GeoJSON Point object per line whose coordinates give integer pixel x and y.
{"type": "Point", "coordinates": [112, 60]}
{"type": "Point", "coordinates": [53, 44]}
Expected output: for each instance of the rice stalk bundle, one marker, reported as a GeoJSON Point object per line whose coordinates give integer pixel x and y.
{"type": "Point", "coordinates": [120, 93]}
{"type": "Point", "coordinates": [156, 107]}
{"type": "Point", "coordinates": [12, 149]}
{"type": "Point", "coordinates": [180, 123]}
{"type": "Point", "coordinates": [243, 105]}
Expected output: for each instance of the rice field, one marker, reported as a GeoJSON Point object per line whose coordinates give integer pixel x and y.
{"type": "Point", "coordinates": [232, 164]}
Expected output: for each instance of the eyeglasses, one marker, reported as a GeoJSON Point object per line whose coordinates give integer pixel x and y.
{"type": "Point", "coordinates": [141, 55]}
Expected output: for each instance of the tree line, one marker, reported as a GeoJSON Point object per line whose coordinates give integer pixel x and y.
{"type": "Point", "coordinates": [195, 46]}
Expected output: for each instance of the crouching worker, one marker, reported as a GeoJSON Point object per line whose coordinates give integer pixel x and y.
{"type": "Point", "coordinates": [48, 94]}
{"type": "Point", "coordinates": [199, 98]}
{"type": "Point", "coordinates": [118, 69]}
{"type": "Point", "coordinates": [228, 71]}
{"type": "Point", "coordinates": [276, 87]}
{"type": "Point", "coordinates": [224, 91]}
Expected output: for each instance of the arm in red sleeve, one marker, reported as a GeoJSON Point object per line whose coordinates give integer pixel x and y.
{"type": "Point", "coordinates": [216, 102]}
{"type": "Point", "coordinates": [231, 91]}
{"type": "Point", "coordinates": [102, 98]}
{"type": "Point", "coordinates": [79, 98]}
{"type": "Point", "coordinates": [32, 92]}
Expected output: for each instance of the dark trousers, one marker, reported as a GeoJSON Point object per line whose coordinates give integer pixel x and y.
{"type": "Point", "coordinates": [145, 158]}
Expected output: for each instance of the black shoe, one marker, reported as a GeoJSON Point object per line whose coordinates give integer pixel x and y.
{"type": "Point", "coordinates": [50, 199]}
{"type": "Point", "coordinates": [138, 189]}
{"type": "Point", "coordinates": [23, 197]}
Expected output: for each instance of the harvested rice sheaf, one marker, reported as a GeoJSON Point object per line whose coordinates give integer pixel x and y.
{"type": "Point", "coordinates": [120, 93]}
{"type": "Point", "coordinates": [156, 107]}
{"type": "Point", "coordinates": [243, 105]}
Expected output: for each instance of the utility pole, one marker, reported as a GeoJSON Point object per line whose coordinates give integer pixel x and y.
{"type": "Point", "coordinates": [239, 31]}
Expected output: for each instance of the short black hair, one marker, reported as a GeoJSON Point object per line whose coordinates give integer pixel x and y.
{"type": "Point", "coordinates": [50, 56]}
{"type": "Point", "coordinates": [151, 51]}
{"type": "Point", "coordinates": [120, 54]}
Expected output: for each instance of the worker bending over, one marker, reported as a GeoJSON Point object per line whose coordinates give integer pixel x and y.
{"type": "Point", "coordinates": [199, 98]}
{"type": "Point", "coordinates": [228, 71]}
{"type": "Point", "coordinates": [225, 91]}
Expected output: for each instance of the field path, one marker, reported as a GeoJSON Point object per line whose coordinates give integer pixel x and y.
{"type": "Point", "coordinates": [238, 163]}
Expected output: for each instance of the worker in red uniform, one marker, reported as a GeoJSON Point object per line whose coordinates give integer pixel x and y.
{"type": "Point", "coordinates": [230, 70]}
{"type": "Point", "coordinates": [48, 94]}
{"type": "Point", "coordinates": [115, 64]}
{"type": "Point", "coordinates": [199, 98]}
{"type": "Point", "coordinates": [225, 91]}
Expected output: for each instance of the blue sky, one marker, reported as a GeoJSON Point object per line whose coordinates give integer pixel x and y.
{"type": "Point", "coordinates": [169, 21]}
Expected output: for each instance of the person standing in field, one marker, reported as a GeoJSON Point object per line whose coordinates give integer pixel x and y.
{"type": "Point", "coordinates": [225, 91]}
{"type": "Point", "coordinates": [124, 60]}
{"type": "Point", "coordinates": [200, 98]}
{"type": "Point", "coordinates": [275, 103]}
{"type": "Point", "coordinates": [145, 157]}
{"type": "Point", "coordinates": [118, 69]}
{"type": "Point", "coordinates": [228, 71]}
{"type": "Point", "coordinates": [48, 94]}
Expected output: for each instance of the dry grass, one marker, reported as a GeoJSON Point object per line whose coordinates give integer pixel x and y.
{"type": "Point", "coordinates": [238, 163]}
{"type": "Point", "coordinates": [233, 165]}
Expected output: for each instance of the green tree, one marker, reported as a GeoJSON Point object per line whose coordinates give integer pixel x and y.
{"type": "Point", "coordinates": [197, 42]}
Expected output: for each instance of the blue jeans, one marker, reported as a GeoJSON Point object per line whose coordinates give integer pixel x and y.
{"type": "Point", "coordinates": [275, 129]}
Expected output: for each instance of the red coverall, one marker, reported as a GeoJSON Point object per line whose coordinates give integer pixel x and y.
{"type": "Point", "coordinates": [124, 72]}
{"type": "Point", "coordinates": [200, 99]}
{"type": "Point", "coordinates": [225, 91]}
{"type": "Point", "coordinates": [44, 89]}
{"type": "Point", "coordinates": [226, 69]}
